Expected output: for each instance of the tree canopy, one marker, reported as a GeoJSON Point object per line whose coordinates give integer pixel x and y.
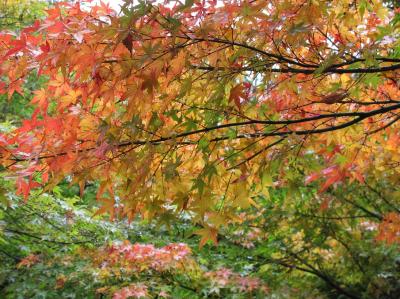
{"type": "Point", "coordinates": [199, 107]}
{"type": "Point", "coordinates": [267, 128]}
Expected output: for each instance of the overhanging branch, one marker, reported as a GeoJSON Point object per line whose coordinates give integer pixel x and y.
{"type": "Point", "coordinates": [357, 117]}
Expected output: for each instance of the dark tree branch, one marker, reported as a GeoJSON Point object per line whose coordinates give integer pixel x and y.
{"type": "Point", "coordinates": [291, 70]}
{"type": "Point", "coordinates": [358, 117]}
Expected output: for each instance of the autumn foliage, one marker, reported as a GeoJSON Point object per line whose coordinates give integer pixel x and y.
{"type": "Point", "coordinates": [161, 264]}
{"type": "Point", "coordinates": [199, 107]}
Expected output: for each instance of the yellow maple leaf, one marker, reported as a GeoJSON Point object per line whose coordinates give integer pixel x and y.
{"type": "Point", "coordinates": [207, 234]}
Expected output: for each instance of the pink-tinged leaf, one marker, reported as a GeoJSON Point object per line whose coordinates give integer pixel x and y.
{"type": "Point", "coordinates": [312, 177]}
{"type": "Point", "coordinates": [78, 36]}
{"type": "Point", "coordinates": [23, 188]}
{"type": "Point", "coordinates": [132, 291]}
{"type": "Point", "coordinates": [329, 182]}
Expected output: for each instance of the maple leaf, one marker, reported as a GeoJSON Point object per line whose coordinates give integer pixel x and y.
{"type": "Point", "coordinates": [60, 281]}
{"type": "Point", "coordinates": [28, 261]}
{"type": "Point", "coordinates": [312, 177]}
{"type": "Point", "coordinates": [17, 45]}
{"type": "Point", "coordinates": [389, 228]}
{"type": "Point", "coordinates": [127, 42]}
{"type": "Point", "coordinates": [107, 206]}
{"type": "Point", "coordinates": [22, 188]}
{"type": "Point", "coordinates": [70, 98]}
{"type": "Point", "coordinates": [207, 234]}
{"type": "Point", "coordinates": [238, 93]}
{"type": "Point", "coordinates": [40, 98]}
{"type": "Point", "coordinates": [132, 291]}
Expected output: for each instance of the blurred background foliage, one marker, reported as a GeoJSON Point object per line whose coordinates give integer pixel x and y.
{"type": "Point", "coordinates": [15, 14]}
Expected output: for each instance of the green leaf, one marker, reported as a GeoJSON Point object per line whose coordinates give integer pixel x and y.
{"type": "Point", "coordinates": [188, 4]}
{"type": "Point", "coordinates": [232, 133]}
{"type": "Point", "coordinates": [326, 64]}
{"type": "Point", "coordinates": [203, 144]}
{"type": "Point", "coordinates": [266, 179]}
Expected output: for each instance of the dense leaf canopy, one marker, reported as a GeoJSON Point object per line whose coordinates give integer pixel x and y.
{"type": "Point", "coordinates": [198, 108]}
{"type": "Point", "coordinates": [268, 127]}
